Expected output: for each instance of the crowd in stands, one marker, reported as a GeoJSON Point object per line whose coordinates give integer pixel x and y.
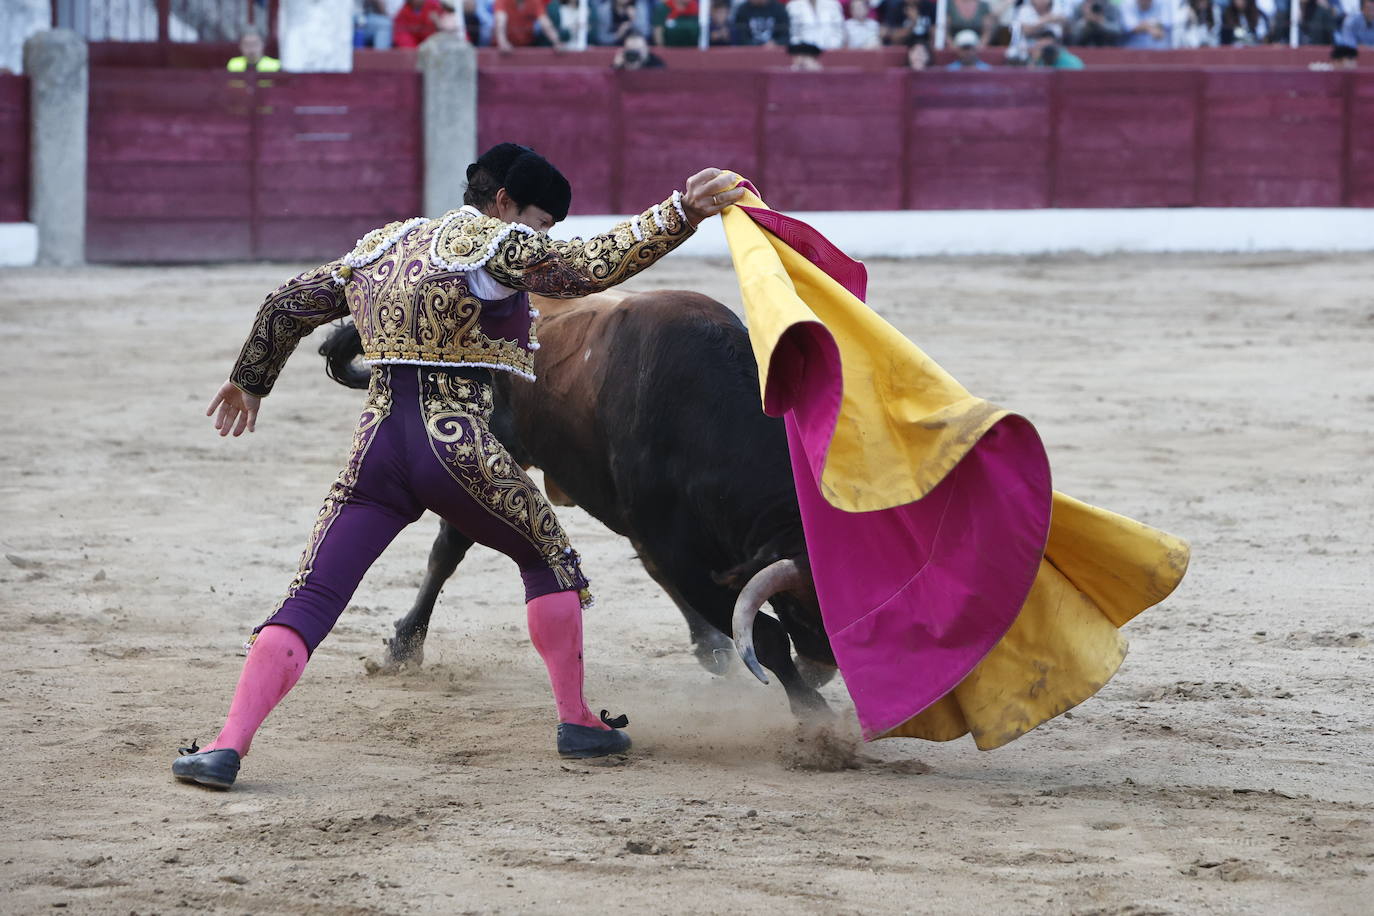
{"type": "Point", "coordinates": [1030, 31]}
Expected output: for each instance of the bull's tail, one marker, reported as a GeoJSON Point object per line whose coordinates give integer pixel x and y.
{"type": "Point", "coordinates": [341, 350]}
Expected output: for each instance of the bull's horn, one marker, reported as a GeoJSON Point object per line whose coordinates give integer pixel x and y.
{"type": "Point", "coordinates": [767, 582]}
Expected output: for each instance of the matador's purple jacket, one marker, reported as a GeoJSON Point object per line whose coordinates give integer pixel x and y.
{"type": "Point", "coordinates": [430, 297]}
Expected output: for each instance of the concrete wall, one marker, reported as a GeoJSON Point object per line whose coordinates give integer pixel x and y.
{"type": "Point", "coordinates": [18, 20]}
{"type": "Point", "coordinates": [908, 234]}
{"type": "Point", "coordinates": [316, 36]}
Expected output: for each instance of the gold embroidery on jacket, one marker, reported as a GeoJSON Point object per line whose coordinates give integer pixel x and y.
{"type": "Point", "coordinates": [456, 411]}
{"type": "Point", "coordinates": [375, 409]}
{"type": "Point", "coordinates": [566, 270]}
{"type": "Point", "coordinates": [291, 312]}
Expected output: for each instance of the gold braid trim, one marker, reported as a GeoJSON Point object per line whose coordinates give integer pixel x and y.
{"type": "Point", "coordinates": [288, 314]}
{"type": "Point", "coordinates": [531, 261]}
{"type": "Point", "coordinates": [456, 411]}
{"type": "Point", "coordinates": [375, 409]}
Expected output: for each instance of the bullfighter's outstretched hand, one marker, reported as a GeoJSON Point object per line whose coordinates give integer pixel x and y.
{"type": "Point", "coordinates": [709, 192]}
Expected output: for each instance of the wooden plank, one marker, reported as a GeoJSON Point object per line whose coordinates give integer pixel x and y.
{"type": "Point", "coordinates": [978, 141]}
{"type": "Point", "coordinates": [380, 205]}
{"type": "Point", "coordinates": [14, 148]}
{"type": "Point", "coordinates": [314, 237]}
{"type": "Point", "coordinates": [834, 140]}
{"type": "Point", "coordinates": [140, 136]}
{"type": "Point", "coordinates": [1360, 168]}
{"type": "Point", "coordinates": [167, 241]}
{"type": "Point", "coordinates": [1125, 143]}
{"type": "Point", "coordinates": [663, 141]}
{"type": "Point", "coordinates": [549, 110]}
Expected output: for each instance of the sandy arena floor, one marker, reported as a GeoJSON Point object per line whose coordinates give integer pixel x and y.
{"type": "Point", "coordinates": [1227, 769]}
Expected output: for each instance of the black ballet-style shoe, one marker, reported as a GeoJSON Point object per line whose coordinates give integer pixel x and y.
{"type": "Point", "coordinates": [582, 741]}
{"type": "Point", "coordinates": [216, 769]}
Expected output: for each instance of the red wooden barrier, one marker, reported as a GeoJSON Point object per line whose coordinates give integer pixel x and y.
{"type": "Point", "coordinates": [14, 148]}
{"type": "Point", "coordinates": [202, 166]}
{"type": "Point", "coordinates": [1359, 140]}
{"type": "Point", "coordinates": [977, 144]}
{"type": "Point", "coordinates": [1272, 139]}
{"type": "Point", "coordinates": [1124, 139]}
{"type": "Point", "coordinates": [208, 166]}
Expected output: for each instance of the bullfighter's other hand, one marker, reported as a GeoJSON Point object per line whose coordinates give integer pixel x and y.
{"type": "Point", "coordinates": [238, 410]}
{"type": "Point", "coordinates": [709, 192]}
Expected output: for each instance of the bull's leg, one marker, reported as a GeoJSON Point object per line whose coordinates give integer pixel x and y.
{"type": "Point", "coordinates": [771, 643]}
{"type": "Point", "coordinates": [407, 647]}
{"type": "Point", "coordinates": [714, 649]}
{"type": "Point", "coordinates": [775, 653]}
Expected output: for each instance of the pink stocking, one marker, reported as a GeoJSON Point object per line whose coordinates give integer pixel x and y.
{"type": "Point", "coordinates": [556, 631]}
{"type": "Point", "coordinates": [275, 663]}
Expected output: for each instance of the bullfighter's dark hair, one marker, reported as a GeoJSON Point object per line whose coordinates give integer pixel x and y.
{"type": "Point", "coordinates": [528, 178]}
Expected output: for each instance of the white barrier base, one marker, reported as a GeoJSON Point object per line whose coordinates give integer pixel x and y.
{"type": "Point", "coordinates": [18, 244]}
{"type": "Point", "coordinates": [914, 233]}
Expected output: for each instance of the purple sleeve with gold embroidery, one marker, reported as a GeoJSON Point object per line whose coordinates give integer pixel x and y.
{"type": "Point", "coordinates": [294, 310]}
{"type": "Point", "coordinates": [535, 263]}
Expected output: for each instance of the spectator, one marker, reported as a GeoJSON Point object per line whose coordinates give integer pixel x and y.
{"type": "Point", "coordinates": [371, 24]}
{"type": "Point", "coordinates": [761, 22]}
{"type": "Point", "coordinates": [1197, 24]}
{"type": "Point", "coordinates": [902, 19]}
{"type": "Point", "coordinates": [472, 22]}
{"type": "Point", "coordinates": [861, 30]}
{"type": "Point", "coordinates": [1046, 50]}
{"type": "Point", "coordinates": [721, 30]}
{"type": "Point", "coordinates": [816, 22]}
{"type": "Point", "coordinates": [967, 43]}
{"type": "Point", "coordinates": [251, 56]}
{"type": "Point", "coordinates": [1243, 24]}
{"type": "Point", "coordinates": [917, 53]}
{"type": "Point", "coordinates": [974, 16]}
{"type": "Point", "coordinates": [1031, 18]}
{"type": "Point", "coordinates": [415, 21]}
{"type": "Point", "coordinates": [1318, 22]}
{"type": "Point", "coordinates": [516, 21]}
{"type": "Point", "coordinates": [618, 18]}
{"type": "Point", "coordinates": [563, 17]}
{"type": "Point", "coordinates": [634, 54]}
{"type": "Point", "coordinates": [805, 56]}
{"type": "Point", "coordinates": [1098, 24]}
{"type": "Point", "coordinates": [676, 23]}
{"type": "Point", "coordinates": [1359, 27]}
{"type": "Point", "coordinates": [1144, 28]}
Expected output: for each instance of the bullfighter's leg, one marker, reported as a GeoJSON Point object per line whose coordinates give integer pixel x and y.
{"type": "Point", "coordinates": [365, 509]}
{"type": "Point", "coordinates": [473, 483]}
{"type": "Point", "coordinates": [407, 647]}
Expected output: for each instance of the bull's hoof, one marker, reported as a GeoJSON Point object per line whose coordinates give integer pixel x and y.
{"type": "Point", "coordinates": [715, 657]}
{"type": "Point", "coordinates": [815, 674]}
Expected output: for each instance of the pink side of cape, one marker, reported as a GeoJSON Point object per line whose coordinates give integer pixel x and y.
{"type": "Point", "coordinates": [913, 597]}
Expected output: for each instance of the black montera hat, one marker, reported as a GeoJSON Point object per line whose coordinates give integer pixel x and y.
{"type": "Point", "coordinates": [528, 178]}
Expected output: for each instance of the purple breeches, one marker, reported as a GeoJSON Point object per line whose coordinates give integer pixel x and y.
{"type": "Point", "coordinates": [422, 443]}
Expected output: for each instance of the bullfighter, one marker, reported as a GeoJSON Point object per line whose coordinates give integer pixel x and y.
{"type": "Point", "coordinates": [440, 304]}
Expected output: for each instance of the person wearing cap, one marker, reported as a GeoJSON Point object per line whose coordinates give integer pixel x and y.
{"type": "Point", "coordinates": [440, 304]}
{"type": "Point", "coordinates": [966, 43]}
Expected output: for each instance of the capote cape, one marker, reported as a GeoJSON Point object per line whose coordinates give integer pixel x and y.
{"type": "Point", "coordinates": [961, 593]}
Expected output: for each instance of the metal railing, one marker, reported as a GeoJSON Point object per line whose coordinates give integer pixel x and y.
{"type": "Point", "coordinates": [164, 20]}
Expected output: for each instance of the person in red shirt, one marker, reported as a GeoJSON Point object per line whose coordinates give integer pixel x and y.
{"type": "Point", "coordinates": [515, 21]}
{"type": "Point", "coordinates": [415, 22]}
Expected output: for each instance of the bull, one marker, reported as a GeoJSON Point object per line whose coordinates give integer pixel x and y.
{"type": "Point", "coordinates": [646, 414]}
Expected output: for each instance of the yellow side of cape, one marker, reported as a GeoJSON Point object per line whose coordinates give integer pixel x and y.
{"type": "Point", "coordinates": [904, 424]}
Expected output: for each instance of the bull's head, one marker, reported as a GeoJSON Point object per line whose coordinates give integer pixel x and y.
{"type": "Point", "coordinates": [775, 578]}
